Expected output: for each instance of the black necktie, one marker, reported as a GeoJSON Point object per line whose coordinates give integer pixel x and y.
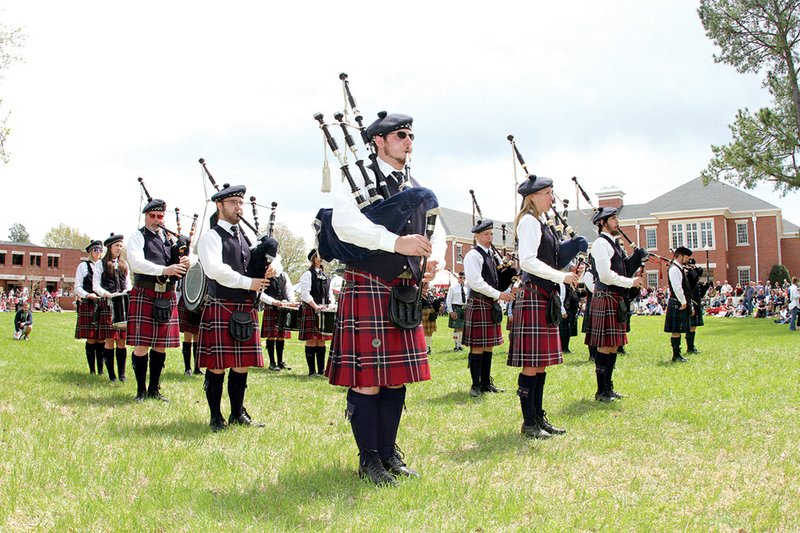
{"type": "Point", "coordinates": [463, 295]}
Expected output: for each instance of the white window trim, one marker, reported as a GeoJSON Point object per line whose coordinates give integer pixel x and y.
{"type": "Point", "coordinates": [53, 255]}
{"type": "Point", "coordinates": [647, 276]}
{"type": "Point", "coordinates": [737, 222]}
{"type": "Point", "coordinates": [698, 221]}
{"type": "Point", "coordinates": [655, 229]}
{"type": "Point", "coordinates": [743, 268]}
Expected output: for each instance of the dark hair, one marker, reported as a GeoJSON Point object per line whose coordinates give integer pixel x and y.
{"type": "Point", "coordinates": [108, 264]}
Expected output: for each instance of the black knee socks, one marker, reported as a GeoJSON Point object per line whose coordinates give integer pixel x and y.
{"type": "Point", "coordinates": [271, 351]}
{"type": "Point", "coordinates": [139, 364]}
{"type": "Point", "coordinates": [196, 357]}
{"type": "Point", "coordinates": [109, 357]}
{"type": "Point", "coordinates": [279, 350]}
{"type": "Point", "coordinates": [539, 394]}
{"type": "Point", "coordinates": [99, 356]}
{"type": "Point", "coordinates": [90, 356]}
{"type": "Point", "coordinates": [362, 410]}
{"type": "Point", "coordinates": [612, 363]}
{"type": "Point", "coordinates": [186, 349]}
{"type": "Point", "coordinates": [390, 411]}
{"type": "Point", "coordinates": [310, 350]}
{"type": "Point", "coordinates": [122, 359]}
{"type": "Point", "coordinates": [237, 383]}
{"type": "Point", "coordinates": [156, 366]}
{"type": "Point", "coordinates": [475, 369]}
{"type": "Point", "coordinates": [690, 341]}
{"type": "Point", "coordinates": [526, 391]}
{"type": "Point", "coordinates": [486, 370]}
{"type": "Point", "coordinates": [601, 369]}
{"type": "Point", "coordinates": [321, 359]}
{"type": "Point", "coordinates": [676, 346]}
{"type": "Point", "coordinates": [213, 386]}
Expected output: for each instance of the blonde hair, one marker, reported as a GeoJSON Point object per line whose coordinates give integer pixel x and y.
{"type": "Point", "coordinates": [528, 207]}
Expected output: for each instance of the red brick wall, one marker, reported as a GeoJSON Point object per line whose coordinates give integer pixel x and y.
{"type": "Point", "coordinates": [790, 250]}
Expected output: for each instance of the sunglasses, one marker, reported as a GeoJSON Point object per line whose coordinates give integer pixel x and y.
{"type": "Point", "coordinates": [96, 249]}
{"type": "Point", "coordinates": [155, 215]}
{"type": "Point", "coordinates": [402, 135]}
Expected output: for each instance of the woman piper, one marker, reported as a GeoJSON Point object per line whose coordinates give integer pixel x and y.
{"type": "Point", "coordinates": [316, 294]}
{"type": "Point", "coordinates": [535, 340]}
{"type": "Point", "coordinates": [112, 277]}
{"type": "Point", "coordinates": [86, 326]}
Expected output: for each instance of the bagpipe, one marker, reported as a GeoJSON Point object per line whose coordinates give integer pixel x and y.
{"type": "Point", "coordinates": [377, 205]}
{"type": "Point", "coordinates": [179, 247]}
{"type": "Point", "coordinates": [507, 273]}
{"type": "Point", "coordinates": [570, 244]}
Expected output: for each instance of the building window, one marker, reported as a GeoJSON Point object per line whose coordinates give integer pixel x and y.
{"type": "Point", "coordinates": [52, 261]}
{"type": "Point", "coordinates": [16, 259]}
{"type": "Point", "coordinates": [744, 275]}
{"type": "Point", "coordinates": [676, 231]}
{"type": "Point", "coordinates": [36, 260]}
{"type": "Point", "coordinates": [2, 258]}
{"type": "Point", "coordinates": [706, 234]}
{"type": "Point", "coordinates": [692, 238]}
{"type": "Point", "coordinates": [652, 278]}
{"type": "Point", "coordinates": [459, 254]}
{"type": "Point", "coordinates": [650, 238]}
{"type": "Point", "coordinates": [694, 234]}
{"type": "Point", "coordinates": [742, 238]}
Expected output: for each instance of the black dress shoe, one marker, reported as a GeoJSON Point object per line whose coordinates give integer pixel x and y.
{"type": "Point", "coordinates": [157, 396]}
{"type": "Point", "coordinates": [603, 397]}
{"type": "Point", "coordinates": [217, 423]}
{"type": "Point", "coordinates": [535, 432]}
{"type": "Point", "coordinates": [491, 388]}
{"type": "Point", "coordinates": [198, 372]}
{"type": "Point", "coordinates": [397, 467]}
{"type": "Point", "coordinates": [142, 396]}
{"type": "Point", "coordinates": [274, 368]}
{"type": "Point", "coordinates": [475, 391]}
{"type": "Point", "coordinates": [693, 350]}
{"type": "Point", "coordinates": [123, 379]}
{"type": "Point", "coordinates": [679, 359]}
{"type": "Point", "coordinates": [545, 424]}
{"type": "Point", "coordinates": [371, 467]}
{"type": "Point", "coordinates": [284, 366]}
{"type": "Point", "coordinates": [187, 372]}
{"type": "Point", "coordinates": [615, 394]}
{"type": "Point", "coordinates": [243, 420]}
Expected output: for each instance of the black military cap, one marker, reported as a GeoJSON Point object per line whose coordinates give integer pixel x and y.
{"type": "Point", "coordinates": [604, 213]}
{"type": "Point", "coordinates": [312, 253]}
{"type": "Point", "coordinates": [461, 274]}
{"type": "Point", "coordinates": [155, 205]}
{"type": "Point", "coordinates": [229, 191]}
{"type": "Point", "coordinates": [534, 183]}
{"type": "Point", "coordinates": [682, 250]}
{"type": "Point", "coordinates": [94, 244]}
{"type": "Point", "coordinates": [387, 123]}
{"type": "Point", "coordinates": [483, 225]}
{"type": "Point", "coordinates": [112, 239]}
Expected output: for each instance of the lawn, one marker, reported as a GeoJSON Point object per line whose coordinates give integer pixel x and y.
{"type": "Point", "coordinates": [708, 445]}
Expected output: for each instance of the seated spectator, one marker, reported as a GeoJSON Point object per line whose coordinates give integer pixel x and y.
{"type": "Point", "coordinates": [23, 323]}
{"type": "Point", "coordinates": [761, 308]}
{"type": "Point", "coordinates": [782, 315]}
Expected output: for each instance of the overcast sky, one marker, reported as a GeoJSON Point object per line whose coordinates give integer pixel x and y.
{"type": "Point", "coordinates": [622, 93]}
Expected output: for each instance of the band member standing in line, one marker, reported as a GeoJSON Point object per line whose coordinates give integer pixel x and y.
{"type": "Point", "coordinates": [697, 293]}
{"type": "Point", "coordinates": [483, 316]}
{"type": "Point", "coordinates": [153, 311]}
{"type": "Point", "coordinates": [608, 315]}
{"type": "Point", "coordinates": [111, 276]}
{"type": "Point", "coordinates": [316, 293]}
{"type": "Point", "coordinates": [370, 354]}
{"type": "Point", "coordinates": [676, 320]}
{"type": "Point", "coordinates": [279, 293]}
{"type": "Point", "coordinates": [228, 333]}
{"type": "Point", "coordinates": [456, 303]}
{"type": "Point", "coordinates": [87, 326]}
{"type": "Point", "coordinates": [535, 340]}
{"type": "Point", "coordinates": [588, 284]}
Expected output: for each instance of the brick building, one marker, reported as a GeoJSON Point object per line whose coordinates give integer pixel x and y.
{"type": "Point", "coordinates": [739, 235]}
{"type": "Point", "coordinates": [23, 264]}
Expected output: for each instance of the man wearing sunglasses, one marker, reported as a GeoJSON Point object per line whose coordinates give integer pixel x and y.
{"type": "Point", "coordinates": [369, 353]}
{"type": "Point", "coordinates": [152, 312]}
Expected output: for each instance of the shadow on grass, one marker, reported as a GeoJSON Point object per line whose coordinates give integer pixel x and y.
{"type": "Point", "coordinates": [181, 429]}
{"type": "Point", "coordinates": [117, 400]}
{"type": "Point", "coordinates": [588, 405]}
{"type": "Point", "coordinates": [457, 397]}
{"type": "Point", "coordinates": [489, 446]}
{"type": "Point", "coordinates": [78, 378]}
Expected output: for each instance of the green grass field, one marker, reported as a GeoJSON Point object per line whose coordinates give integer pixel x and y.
{"type": "Point", "coordinates": [708, 445]}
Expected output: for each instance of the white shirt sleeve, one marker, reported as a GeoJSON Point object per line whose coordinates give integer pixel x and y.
{"type": "Point", "coordinates": [588, 280]}
{"type": "Point", "coordinates": [676, 279]}
{"type": "Point", "coordinates": [305, 287]}
{"type": "Point", "coordinates": [562, 293]}
{"type": "Point", "coordinates": [136, 260]}
{"type": "Point", "coordinates": [473, 270]}
{"type": "Point", "coordinates": [602, 252]}
{"type": "Point", "coordinates": [97, 278]}
{"type": "Point", "coordinates": [530, 236]}
{"type": "Point", "coordinates": [80, 273]}
{"type": "Point", "coordinates": [209, 249]}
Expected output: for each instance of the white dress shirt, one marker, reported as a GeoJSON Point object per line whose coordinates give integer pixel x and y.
{"type": "Point", "coordinates": [588, 280]}
{"type": "Point", "coordinates": [269, 300]}
{"type": "Point", "coordinates": [97, 278]}
{"type": "Point", "coordinates": [676, 281]}
{"type": "Point", "coordinates": [352, 226]}
{"type": "Point", "coordinates": [80, 273]}
{"type": "Point", "coordinates": [473, 271]}
{"type": "Point", "coordinates": [454, 296]}
{"type": "Point", "coordinates": [136, 261]}
{"type": "Point", "coordinates": [602, 252]}
{"type": "Point", "coordinates": [529, 232]}
{"type": "Point", "coordinates": [209, 249]}
{"type": "Point", "coordinates": [305, 288]}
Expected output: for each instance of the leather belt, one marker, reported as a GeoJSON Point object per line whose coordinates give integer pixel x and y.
{"type": "Point", "coordinates": [153, 286]}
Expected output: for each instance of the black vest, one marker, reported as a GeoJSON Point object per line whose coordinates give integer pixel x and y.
{"type": "Point", "coordinates": [156, 251]}
{"type": "Point", "coordinates": [617, 265]}
{"type": "Point", "coordinates": [548, 254]}
{"type": "Point", "coordinates": [687, 292]}
{"type": "Point", "coordinates": [110, 280]}
{"type": "Point", "coordinates": [489, 269]}
{"type": "Point", "coordinates": [277, 288]}
{"type": "Point", "coordinates": [390, 265]}
{"type": "Point", "coordinates": [237, 257]}
{"type": "Point", "coordinates": [319, 287]}
{"type": "Point", "coordinates": [86, 284]}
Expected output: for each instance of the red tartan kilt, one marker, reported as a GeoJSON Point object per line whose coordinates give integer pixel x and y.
{"type": "Point", "coordinates": [309, 325]}
{"type": "Point", "coordinates": [367, 349]}
{"type": "Point", "coordinates": [479, 329]}
{"type": "Point", "coordinates": [142, 329]}
{"type": "Point", "coordinates": [533, 341]}
{"type": "Point", "coordinates": [216, 347]}
{"type": "Point", "coordinates": [603, 328]}
{"type": "Point", "coordinates": [188, 321]}
{"type": "Point", "coordinates": [269, 324]}
{"type": "Point", "coordinates": [84, 327]}
{"type": "Point", "coordinates": [105, 321]}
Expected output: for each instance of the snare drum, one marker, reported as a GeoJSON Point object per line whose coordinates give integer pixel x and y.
{"type": "Point", "coordinates": [327, 319]}
{"type": "Point", "coordinates": [119, 311]}
{"type": "Point", "coordinates": [195, 287]}
{"type": "Point", "coordinates": [289, 319]}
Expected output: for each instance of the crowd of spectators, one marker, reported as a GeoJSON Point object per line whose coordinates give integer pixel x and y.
{"type": "Point", "coordinates": [755, 299]}
{"type": "Point", "coordinates": [41, 300]}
